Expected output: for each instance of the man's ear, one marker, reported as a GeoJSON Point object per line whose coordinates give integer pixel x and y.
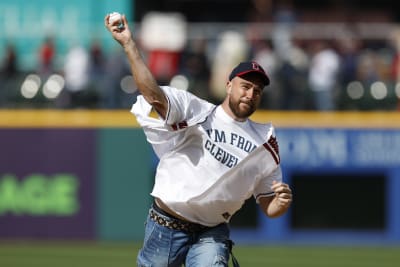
{"type": "Point", "coordinates": [228, 87]}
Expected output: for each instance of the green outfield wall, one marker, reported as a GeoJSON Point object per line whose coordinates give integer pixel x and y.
{"type": "Point", "coordinates": [125, 180]}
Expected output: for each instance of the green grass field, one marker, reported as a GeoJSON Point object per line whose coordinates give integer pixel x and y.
{"type": "Point", "coordinates": [90, 254]}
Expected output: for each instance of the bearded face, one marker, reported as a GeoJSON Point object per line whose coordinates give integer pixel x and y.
{"type": "Point", "coordinates": [242, 109]}
{"type": "Point", "coordinates": [244, 95]}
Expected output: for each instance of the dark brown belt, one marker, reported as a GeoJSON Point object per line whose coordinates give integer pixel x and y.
{"type": "Point", "coordinates": [164, 219]}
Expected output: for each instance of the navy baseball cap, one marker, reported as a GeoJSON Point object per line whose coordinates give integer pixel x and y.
{"type": "Point", "coordinates": [247, 67]}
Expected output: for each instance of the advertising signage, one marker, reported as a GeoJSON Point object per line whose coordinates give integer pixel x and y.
{"type": "Point", "coordinates": [309, 148]}
{"type": "Point", "coordinates": [47, 183]}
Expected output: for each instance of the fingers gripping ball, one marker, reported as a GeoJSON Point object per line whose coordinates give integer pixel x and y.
{"type": "Point", "coordinates": [116, 19]}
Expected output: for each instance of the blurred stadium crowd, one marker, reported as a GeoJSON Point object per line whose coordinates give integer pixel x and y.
{"type": "Point", "coordinates": [313, 66]}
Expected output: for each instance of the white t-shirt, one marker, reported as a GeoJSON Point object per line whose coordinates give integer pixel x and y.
{"type": "Point", "coordinates": [209, 163]}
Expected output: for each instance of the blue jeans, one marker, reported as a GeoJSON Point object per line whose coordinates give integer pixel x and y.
{"type": "Point", "coordinates": [164, 247]}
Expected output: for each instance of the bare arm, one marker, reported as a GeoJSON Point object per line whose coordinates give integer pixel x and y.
{"type": "Point", "coordinates": [277, 205]}
{"type": "Point", "coordinates": [144, 79]}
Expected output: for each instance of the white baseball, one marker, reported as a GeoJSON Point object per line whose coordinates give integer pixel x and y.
{"type": "Point", "coordinates": [114, 18]}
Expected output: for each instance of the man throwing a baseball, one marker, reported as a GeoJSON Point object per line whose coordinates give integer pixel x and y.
{"type": "Point", "coordinates": [212, 158]}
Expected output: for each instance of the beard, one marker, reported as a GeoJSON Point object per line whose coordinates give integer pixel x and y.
{"type": "Point", "coordinates": [241, 113]}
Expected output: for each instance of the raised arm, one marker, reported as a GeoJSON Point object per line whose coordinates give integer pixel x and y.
{"type": "Point", "coordinates": [144, 79]}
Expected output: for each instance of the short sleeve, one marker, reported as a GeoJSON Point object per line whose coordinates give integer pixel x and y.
{"type": "Point", "coordinates": [263, 187]}
{"type": "Point", "coordinates": [184, 110]}
{"type": "Point", "coordinates": [184, 106]}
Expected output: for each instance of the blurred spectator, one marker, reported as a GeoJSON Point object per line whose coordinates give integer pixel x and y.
{"type": "Point", "coordinates": [97, 60]}
{"type": "Point", "coordinates": [367, 72]}
{"type": "Point", "coordinates": [116, 68]}
{"type": "Point", "coordinates": [280, 57]}
{"type": "Point", "coordinates": [46, 56]}
{"type": "Point", "coordinates": [284, 19]}
{"type": "Point", "coordinates": [284, 12]}
{"type": "Point", "coordinates": [164, 37]}
{"type": "Point", "coordinates": [8, 74]}
{"type": "Point", "coordinates": [231, 49]}
{"type": "Point", "coordinates": [292, 75]}
{"type": "Point", "coordinates": [76, 74]}
{"type": "Point", "coordinates": [372, 72]}
{"type": "Point", "coordinates": [293, 61]}
{"type": "Point", "coordinates": [395, 68]}
{"type": "Point", "coordinates": [195, 67]}
{"type": "Point", "coordinates": [323, 74]}
{"type": "Point", "coordinates": [9, 66]}
{"type": "Point", "coordinates": [97, 64]}
{"type": "Point", "coordinates": [348, 49]}
{"type": "Point", "coordinates": [260, 11]}
{"type": "Point", "coordinates": [263, 53]}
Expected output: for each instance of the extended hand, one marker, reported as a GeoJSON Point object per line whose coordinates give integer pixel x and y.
{"type": "Point", "coordinates": [283, 194]}
{"type": "Point", "coordinates": [122, 35]}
